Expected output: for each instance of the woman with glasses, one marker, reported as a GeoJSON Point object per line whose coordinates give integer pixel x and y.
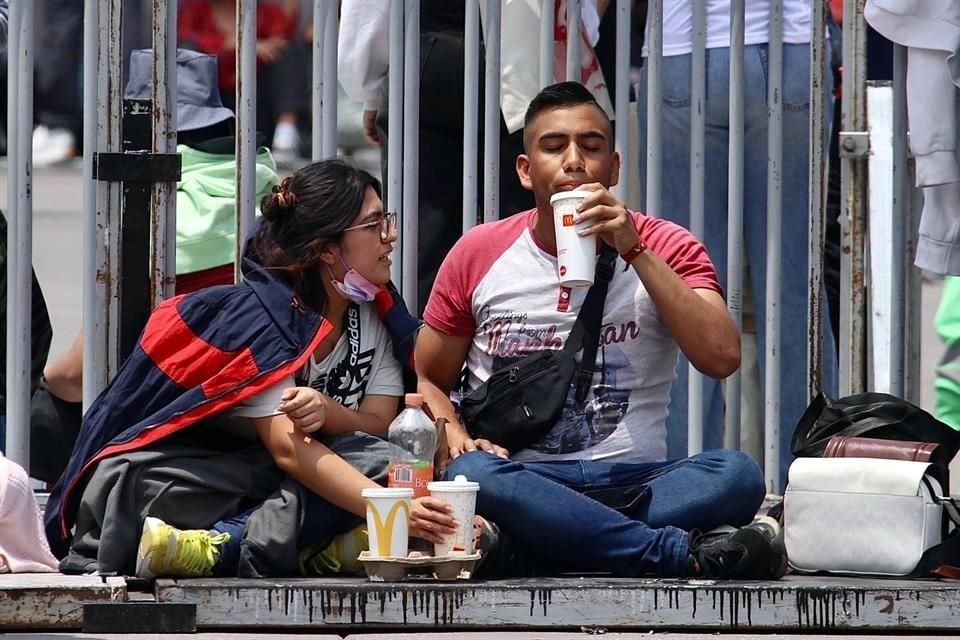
{"type": "Point", "coordinates": [238, 437]}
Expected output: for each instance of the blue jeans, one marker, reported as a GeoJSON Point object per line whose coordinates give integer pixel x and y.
{"type": "Point", "coordinates": [542, 507]}
{"type": "Point", "coordinates": [321, 521]}
{"type": "Point", "coordinates": [795, 173]}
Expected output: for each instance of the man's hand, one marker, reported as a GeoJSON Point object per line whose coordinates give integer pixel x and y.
{"type": "Point", "coordinates": [432, 519]}
{"type": "Point", "coordinates": [270, 49]}
{"type": "Point", "coordinates": [305, 406]}
{"type": "Point", "coordinates": [460, 446]}
{"type": "Point", "coordinates": [609, 218]}
{"type": "Point", "coordinates": [370, 128]}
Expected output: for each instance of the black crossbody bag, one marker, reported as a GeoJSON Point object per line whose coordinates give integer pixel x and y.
{"type": "Point", "coordinates": [519, 404]}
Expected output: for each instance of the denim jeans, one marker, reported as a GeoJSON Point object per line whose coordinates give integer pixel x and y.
{"type": "Point", "coordinates": [542, 507]}
{"type": "Point", "coordinates": [321, 521]}
{"type": "Point", "coordinates": [675, 206]}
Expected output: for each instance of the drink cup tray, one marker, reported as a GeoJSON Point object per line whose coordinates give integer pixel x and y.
{"type": "Point", "coordinates": [395, 569]}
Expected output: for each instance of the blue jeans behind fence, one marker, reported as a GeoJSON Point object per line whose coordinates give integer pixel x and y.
{"type": "Point", "coordinates": [542, 507]}
{"type": "Point", "coordinates": [675, 206]}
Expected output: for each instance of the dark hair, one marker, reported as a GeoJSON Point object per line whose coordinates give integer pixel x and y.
{"type": "Point", "coordinates": [304, 213]}
{"type": "Point", "coordinates": [556, 96]}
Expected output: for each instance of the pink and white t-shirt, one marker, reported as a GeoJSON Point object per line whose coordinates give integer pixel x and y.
{"type": "Point", "coordinates": [499, 285]}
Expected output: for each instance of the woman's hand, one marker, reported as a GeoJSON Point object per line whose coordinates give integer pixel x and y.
{"type": "Point", "coordinates": [432, 519]}
{"type": "Point", "coordinates": [459, 447]}
{"type": "Point", "coordinates": [305, 406]}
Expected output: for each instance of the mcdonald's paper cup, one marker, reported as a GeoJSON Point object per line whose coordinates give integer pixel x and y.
{"type": "Point", "coordinates": [461, 494]}
{"type": "Point", "coordinates": [388, 521]}
{"type": "Point", "coordinates": [576, 255]}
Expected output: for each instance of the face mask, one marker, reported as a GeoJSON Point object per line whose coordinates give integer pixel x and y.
{"type": "Point", "coordinates": [354, 287]}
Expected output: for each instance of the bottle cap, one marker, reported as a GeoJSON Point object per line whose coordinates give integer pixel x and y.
{"type": "Point", "coordinates": [414, 399]}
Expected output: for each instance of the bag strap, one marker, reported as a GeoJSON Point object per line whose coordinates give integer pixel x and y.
{"type": "Point", "coordinates": [586, 328]}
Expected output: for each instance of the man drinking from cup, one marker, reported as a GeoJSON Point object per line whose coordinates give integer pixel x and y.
{"type": "Point", "coordinates": [501, 296]}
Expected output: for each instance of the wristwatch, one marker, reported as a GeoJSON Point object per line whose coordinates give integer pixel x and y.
{"type": "Point", "coordinates": [631, 255]}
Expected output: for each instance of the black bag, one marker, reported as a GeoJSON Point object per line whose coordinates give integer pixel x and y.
{"type": "Point", "coordinates": [873, 415]}
{"type": "Point", "coordinates": [519, 404]}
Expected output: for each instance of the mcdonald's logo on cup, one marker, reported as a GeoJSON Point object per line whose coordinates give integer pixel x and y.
{"type": "Point", "coordinates": [388, 520]}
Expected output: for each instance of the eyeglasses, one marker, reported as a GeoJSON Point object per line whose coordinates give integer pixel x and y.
{"type": "Point", "coordinates": [387, 224]}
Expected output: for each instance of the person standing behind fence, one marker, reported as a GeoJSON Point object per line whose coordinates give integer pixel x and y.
{"type": "Point", "coordinates": [675, 206]}
{"type": "Point", "coordinates": [210, 26]}
{"type": "Point", "coordinates": [363, 66]}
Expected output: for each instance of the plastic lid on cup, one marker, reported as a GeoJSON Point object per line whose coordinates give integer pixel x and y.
{"type": "Point", "coordinates": [387, 492]}
{"type": "Point", "coordinates": [460, 483]}
{"type": "Point", "coordinates": [565, 195]}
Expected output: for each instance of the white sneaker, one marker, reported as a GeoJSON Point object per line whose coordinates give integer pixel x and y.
{"type": "Point", "coordinates": [52, 146]}
{"type": "Point", "coordinates": [286, 139]}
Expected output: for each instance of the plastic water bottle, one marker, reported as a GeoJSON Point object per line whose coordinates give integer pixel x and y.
{"type": "Point", "coordinates": [415, 437]}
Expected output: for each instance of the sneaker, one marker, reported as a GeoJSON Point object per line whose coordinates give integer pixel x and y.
{"type": "Point", "coordinates": [52, 146]}
{"type": "Point", "coordinates": [748, 553]}
{"type": "Point", "coordinates": [166, 551]}
{"type": "Point", "coordinates": [342, 555]}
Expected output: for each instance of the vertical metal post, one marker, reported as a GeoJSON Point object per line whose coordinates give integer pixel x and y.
{"type": "Point", "coordinates": [395, 132]}
{"type": "Point", "coordinates": [330, 88]}
{"type": "Point", "coordinates": [246, 123]}
{"type": "Point", "coordinates": [411, 151]}
{"type": "Point", "coordinates": [818, 196]}
{"type": "Point", "coordinates": [491, 115]}
{"type": "Point", "coordinates": [316, 81]}
{"type": "Point", "coordinates": [547, 27]}
{"type": "Point", "coordinates": [901, 212]}
{"type": "Point", "coordinates": [912, 323]}
{"type": "Point", "coordinates": [622, 99]}
{"type": "Point", "coordinates": [103, 335]}
{"type": "Point", "coordinates": [698, 135]}
{"type": "Point", "coordinates": [771, 438]}
{"type": "Point", "coordinates": [735, 206]}
{"type": "Point", "coordinates": [93, 339]}
{"type": "Point", "coordinates": [853, 194]}
{"type": "Point", "coordinates": [654, 107]}
{"type": "Point", "coordinates": [19, 231]}
{"type": "Point", "coordinates": [471, 111]}
{"type": "Point", "coordinates": [163, 243]}
{"type": "Point", "coordinates": [573, 40]}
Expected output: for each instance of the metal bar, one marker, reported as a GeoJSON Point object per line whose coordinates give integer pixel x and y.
{"type": "Point", "coordinates": [547, 27]}
{"type": "Point", "coordinates": [914, 289]}
{"type": "Point", "coordinates": [19, 232]}
{"type": "Point", "coordinates": [163, 244]}
{"type": "Point", "coordinates": [317, 76]}
{"type": "Point", "coordinates": [105, 287]}
{"type": "Point", "coordinates": [491, 115]}
{"type": "Point", "coordinates": [330, 88]}
{"type": "Point", "coordinates": [884, 343]}
{"type": "Point", "coordinates": [395, 132]}
{"type": "Point", "coordinates": [698, 134]}
{"type": "Point", "coordinates": [573, 40]}
{"type": "Point", "coordinates": [735, 207]}
{"type": "Point", "coordinates": [853, 193]}
{"type": "Point", "coordinates": [471, 112]}
{"type": "Point", "coordinates": [654, 107]}
{"type": "Point", "coordinates": [818, 197]}
{"type": "Point", "coordinates": [246, 123]}
{"type": "Point", "coordinates": [622, 100]}
{"type": "Point", "coordinates": [94, 342]}
{"type": "Point", "coordinates": [771, 420]}
{"type": "Point", "coordinates": [901, 208]}
{"type": "Point", "coordinates": [411, 151]}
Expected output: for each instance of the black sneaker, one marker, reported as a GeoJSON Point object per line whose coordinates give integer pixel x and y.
{"type": "Point", "coordinates": [748, 553]}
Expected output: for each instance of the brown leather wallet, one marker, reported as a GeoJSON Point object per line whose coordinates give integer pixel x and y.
{"type": "Point", "coordinates": [857, 447]}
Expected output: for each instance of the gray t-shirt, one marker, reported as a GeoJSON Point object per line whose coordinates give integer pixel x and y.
{"type": "Point", "coordinates": [361, 363]}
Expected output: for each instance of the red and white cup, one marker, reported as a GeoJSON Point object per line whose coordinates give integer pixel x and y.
{"type": "Point", "coordinates": [576, 255]}
{"type": "Point", "coordinates": [461, 495]}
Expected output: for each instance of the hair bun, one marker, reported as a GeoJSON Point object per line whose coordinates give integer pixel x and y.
{"type": "Point", "coordinates": [279, 203]}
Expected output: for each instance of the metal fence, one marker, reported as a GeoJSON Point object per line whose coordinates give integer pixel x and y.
{"type": "Point", "coordinates": [102, 134]}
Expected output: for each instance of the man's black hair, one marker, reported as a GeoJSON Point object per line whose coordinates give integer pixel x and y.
{"type": "Point", "coordinates": [562, 94]}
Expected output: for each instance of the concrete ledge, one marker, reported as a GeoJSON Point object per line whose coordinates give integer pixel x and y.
{"type": "Point", "coordinates": [51, 600]}
{"type": "Point", "coordinates": [795, 603]}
